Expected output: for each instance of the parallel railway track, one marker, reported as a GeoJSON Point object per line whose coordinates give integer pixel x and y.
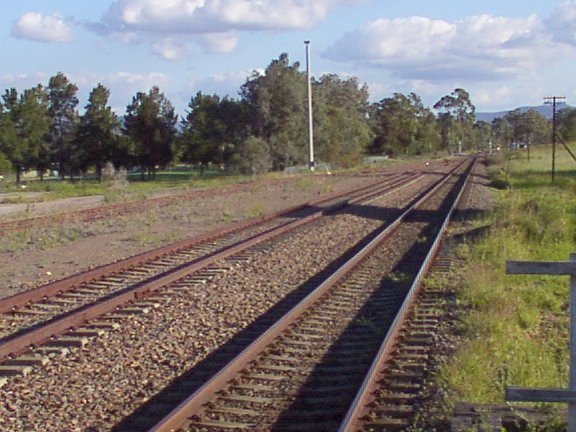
{"type": "Point", "coordinates": [182, 269]}
{"type": "Point", "coordinates": [303, 372]}
{"type": "Point", "coordinates": [35, 316]}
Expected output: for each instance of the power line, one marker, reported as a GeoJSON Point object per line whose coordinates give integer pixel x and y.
{"type": "Point", "coordinates": [553, 100]}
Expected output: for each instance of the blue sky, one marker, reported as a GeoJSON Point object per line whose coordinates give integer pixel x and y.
{"type": "Point", "coordinates": [505, 53]}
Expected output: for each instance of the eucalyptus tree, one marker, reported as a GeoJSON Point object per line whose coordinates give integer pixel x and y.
{"type": "Point", "coordinates": [97, 140]}
{"type": "Point", "coordinates": [402, 125]}
{"type": "Point", "coordinates": [277, 104]}
{"type": "Point", "coordinates": [342, 133]}
{"type": "Point", "coordinates": [456, 115]}
{"type": "Point", "coordinates": [62, 103]}
{"type": "Point", "coordinates": [501, 133]}
{"type": "Point", "coordinates": [566, 123]}
{"type": "Point", "coordinates": [482, 135]}
{"type": "Point", "coordinates": [528, 127]}
{"type": "Point", "coordinates": [150, 122]}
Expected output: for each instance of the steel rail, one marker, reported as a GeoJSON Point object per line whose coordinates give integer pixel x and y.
{"type": "Point", "coordinates": [353, 419]}
{"type": "Point", "coordinates": [206, 392]}
{"type": "Point", "coordinates": [111, 209]}
{"type": "Point", "coordinates": [17, 300]}
{"type": "Point", "coordinates": [36, 335]}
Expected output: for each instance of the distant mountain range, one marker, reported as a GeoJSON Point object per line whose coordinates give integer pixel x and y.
{"type": "Point", "coordinates": [545, 110]}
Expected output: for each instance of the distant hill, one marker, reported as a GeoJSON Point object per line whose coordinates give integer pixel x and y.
{"type": "Point", "coordinates": [545, 110]}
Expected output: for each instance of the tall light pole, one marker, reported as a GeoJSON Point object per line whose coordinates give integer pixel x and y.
{"type": "Point", "coordinates": [311, 162]}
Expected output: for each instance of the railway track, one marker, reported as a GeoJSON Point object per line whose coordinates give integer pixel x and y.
{"type": "Point", "coordinates": [170, 276]}
{"type": "Point", "coordinates": [36, 316]}
{"type": "Point", "coordinates": [304, 370]}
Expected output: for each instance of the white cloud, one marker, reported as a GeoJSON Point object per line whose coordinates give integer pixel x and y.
{"type": "Point", "coordinates": [170, 49]}
{"type": "Point", "coordinates": [220, 43]}
{"type": "Point", "coordinates": [42, 28]}
{"type": "Point", "coordinates": [562, 23]}
{"type": "Point", "coordinates": [479, 48]}
{"type": "Point", "coordinates": [215, 24]}
{"type": "Point", "coordinates": [225, 84]}
{"type": "Point", "coordinates": [202, 16]}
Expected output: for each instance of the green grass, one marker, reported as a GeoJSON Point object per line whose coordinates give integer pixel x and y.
{"type": "Point", "coordinates": [515, 328]}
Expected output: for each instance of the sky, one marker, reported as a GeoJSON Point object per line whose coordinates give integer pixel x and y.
{"type": "Point", "coordinates": [505, 53]}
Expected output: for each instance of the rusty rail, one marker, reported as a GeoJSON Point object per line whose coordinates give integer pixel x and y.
{"type": "Point", "coordinates": [353, 419]}
{"type": "Point", "coordinates": [37, 335]}
{"type": "Point", "coordinates": [204, 394]}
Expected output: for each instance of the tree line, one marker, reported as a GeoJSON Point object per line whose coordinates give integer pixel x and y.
{"type": "Point", "coordinates": [264, 129]}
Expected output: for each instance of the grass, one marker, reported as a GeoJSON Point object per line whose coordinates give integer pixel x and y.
{"type": "Point", "coordinates": [515, 328]}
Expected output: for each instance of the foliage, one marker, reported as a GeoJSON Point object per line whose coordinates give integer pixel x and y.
{"type": "Point", "coordinates": [212, 130]}
{"type": "Point", "coordinates": [41, 128]}
{"type": "Point", "coordinates": [253, 156]}
{"type": "Point", "coordinates": [277, 110]}
{"type": "Point", "coordinates": [529, 127]}
{"type": "Point", "coordinates": [566, 121]}
{"type": "Point", "coordinates": [150, 122]}
{"type": "Point", "coordinates": [342, 133]}
{"type": "Point", "coordinates": [97, 138]}
{"type": "Point", "coordinates": [402, 125]}
{"type": "Point", "coordinates": [62, 102]}
{"type": "Point", "coordinates": [24, 127]}
{"type": "Point", "coordinates": [509, 322]}
{"type": "Point", "coordinates": [456, 115]}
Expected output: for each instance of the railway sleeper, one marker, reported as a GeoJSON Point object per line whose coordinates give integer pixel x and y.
{"type": "Point", "coordinates": [240, 412]}
{"type": "Point", "coordinates": [275, 368]}
{"type": "Point", "coordinates": [29, 312]}
{"type": "Point", "coordinates": [27, 360]}
{"type": "Point", "coordinates": [219, 425]}
{"type": "Point", "coordinates": [52, 351]}
{"type": "Point", "coordinates": [387, 424]}
{"type": "Point", "coordinates": [68, 341]}
{"type": "Point", "coordinates": [393, 410]}
{"type": "Point", "coordinates": [386, 396]}
{"type": "Point", "coordinates": [14, 370]}
{"type": "Point", "coordinates": [328, 388]}
{"type": "Point", "coordinates": [86, 332]}
{"type": "Point", "coordinates": [64, 301]}
{"type": "Point", "coordinates": [398, 385]}
{"type": "Point", "coordinates": [308, 427]}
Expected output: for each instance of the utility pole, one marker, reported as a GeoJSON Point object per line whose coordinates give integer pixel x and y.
{"type": "Point", "coordinates": [311, 162]}
{"type": "Point", "coordinates": [551, 100]}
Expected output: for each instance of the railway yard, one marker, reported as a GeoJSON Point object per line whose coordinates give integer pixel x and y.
{"type": "Point", "coordinates": [270, 306]}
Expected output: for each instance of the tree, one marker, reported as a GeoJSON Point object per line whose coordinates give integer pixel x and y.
{"type": "Point", "coordinates": [402, 125]}
{"type": "Point", "coordinates": [253, 156]}
{"type": "Point", "coordinates": [150, 122]}
{"type": "Point", "coordinates": [35, 127]}
{"type": "Point", "coordinates": [566, 123]}
{"type": "Point", "coordinates": [24, 127]}
{"type": "Point", "coordinates": [62, 102]}
{"type": "Point", "coordinates": [456, 119]}
{"type": "Point", "coordinates": [97, 139]}
{"type": "Point", "coordinates": [277, 108]}
{"type": "Point", "coordinates": [528, 128]}
{"type": "Point", "coordinates": [342, 132]}
{"type": "Point", "coordinates": [212, 129]}
{"type": "Point", "coordinates": [482, 135]}
{"type": "Point", "coordinates": [501, 132]}
{"type": "Point", "coordinates": [10, 145]}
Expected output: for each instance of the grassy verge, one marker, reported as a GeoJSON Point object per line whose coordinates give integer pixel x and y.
{"type": "Point", "coordinates": [515, 328]}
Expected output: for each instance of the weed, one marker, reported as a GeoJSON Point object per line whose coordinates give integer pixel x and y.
{"type": "Point", "coordinates": [255, 210]}
{"type": "Point", "coordinates": [515, 327]}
